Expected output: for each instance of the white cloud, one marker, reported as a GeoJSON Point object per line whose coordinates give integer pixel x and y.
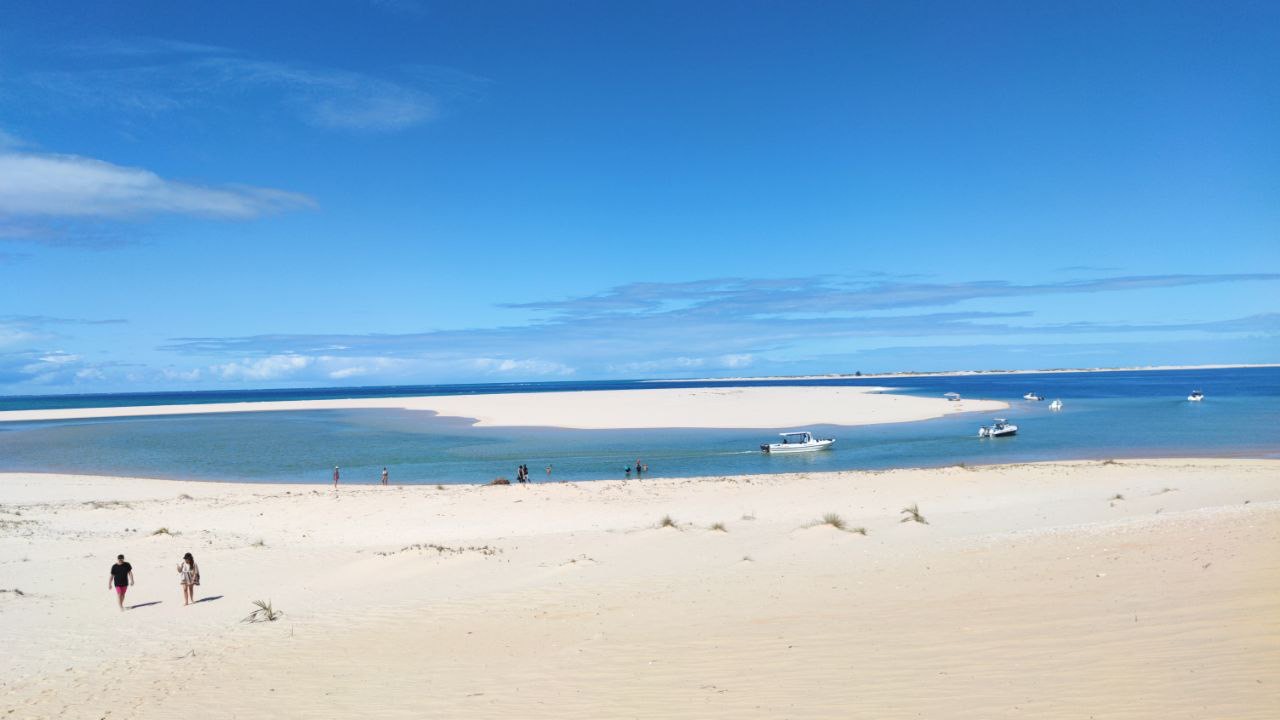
{"type": "Point", "coordinates": [521, 367]}
{"type": "Point", "coordinates": [74, 186]}
{"type": "Point", "coordinates": [274, 367]}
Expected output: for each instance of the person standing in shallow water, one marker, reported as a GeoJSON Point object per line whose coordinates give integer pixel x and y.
{"type": "Point", "coordinates": [384, 476]}
{"type": "Point", "coordinates": [335, 477]}
{"type": "Point", "coordinates": [121, 579]}
{"type": "Point", "coordinates": [188, 578]}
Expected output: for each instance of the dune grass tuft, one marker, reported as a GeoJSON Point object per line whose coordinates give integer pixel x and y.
{"type": "Point", "coordinates": [859, 530]}
{"type": "Point", "coordinates": [719, 526]}
{"type": "Point", "coordinates": [264, 613]}
{"type": "Point", "coordinates": [912, 512]}
{"type": "Point", "coordinates": [833, 520]}
{"type": "Point", "coordinates": [667, 522]}
{"type": "Point", "coordinates": [165, 531]}
{"type": "Point", "coordinates": [1117, 496]}
{"type": "Point", "coordinates": [185, 496]}
{"type": "Point", "coordinates": [259, 543]}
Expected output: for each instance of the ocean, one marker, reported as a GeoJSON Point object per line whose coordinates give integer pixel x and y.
{"type": "Point", "coordinates": [1106, 415]}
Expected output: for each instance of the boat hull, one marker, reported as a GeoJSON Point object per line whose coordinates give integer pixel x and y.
{"type": "Point", "coordinates": [788, 448]}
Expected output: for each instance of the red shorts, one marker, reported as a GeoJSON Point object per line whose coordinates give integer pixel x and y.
{"type": "Point", "coordinates": [120, 589]}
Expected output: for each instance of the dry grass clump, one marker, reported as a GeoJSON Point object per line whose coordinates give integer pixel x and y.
{"type": "Point", "coordinates": [185, 496]}
{"type": "Point", "coordinates": [444, 549]}
{"type": "Point", "coordinates": [913, 514]}
{"type": "Point", "coordinates": [667, 522]}
{"type": "Point", "coordinates": [719, 526]}
{"type": "Point", "coordinates": [259, 543]}
{"type": "Point", "coordinates": [833, 520]}
{"type": "Point", "coordinates": [264, 613]}
{"type": "Point", "coordinates": [1110, 461]}
{"type": "Point", "coordinates": [165, 531]}
{"type": "Point", "coordinates": [859, 530]}
{"type": "Point", "coordinates": [108, 504]}
{"type": "Point", "coordinates": [500, 481]}
{"type": "Point", "coordinates": [1117, 496]}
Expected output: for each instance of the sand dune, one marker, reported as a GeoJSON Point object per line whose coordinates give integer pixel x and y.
{"type": "Point", "coordinates": [1031, 592]}
{"type": "Point", "coordinates": [753, 407]}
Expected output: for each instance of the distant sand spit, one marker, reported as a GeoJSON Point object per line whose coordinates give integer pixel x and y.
{"type": "Point", "coordinates": [1133, 589]}
{"type": "Point", "coordinates": [753, 407]}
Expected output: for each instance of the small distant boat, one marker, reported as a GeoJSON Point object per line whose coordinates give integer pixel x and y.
{"type": "Point", "coordinates": [1032, 396]}
{"type": "Point", "coordinates": [953, 397]}
{"type": "Point", "coordinates": [1001, 428]}
{"type": "Point", "coordinates": [1055, 405]}
{"type": "Point", "coordinates": [794, 442]}
{"type": "Point", "coordinates": [1195, 396]}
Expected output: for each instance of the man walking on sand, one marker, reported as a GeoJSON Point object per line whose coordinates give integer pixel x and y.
{"type": "Point", "coordinates": [121, 579]}
{"type": "Point", "coordinates": [335, 477]}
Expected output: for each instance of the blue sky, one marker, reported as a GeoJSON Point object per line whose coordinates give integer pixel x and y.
{"type": "Point", "coordinates": [356, 192]}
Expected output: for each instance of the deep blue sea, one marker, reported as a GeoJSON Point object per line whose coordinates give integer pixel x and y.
{"type": "Point", "coordinates": [1106, 415]}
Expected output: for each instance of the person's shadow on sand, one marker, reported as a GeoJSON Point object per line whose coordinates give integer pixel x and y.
{"type": "Point", "coordinates": [142, 605]}
{"type": "Point", "coordinates": [208, 598]}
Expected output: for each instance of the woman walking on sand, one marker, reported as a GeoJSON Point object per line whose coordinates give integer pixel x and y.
{"type": "Point", "coordinates": [189, 578]}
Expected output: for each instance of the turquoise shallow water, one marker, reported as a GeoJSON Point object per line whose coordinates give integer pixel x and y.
{"type": "Point", "coordinates": [1106, 415]}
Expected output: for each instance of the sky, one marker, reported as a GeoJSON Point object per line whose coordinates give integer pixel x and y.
{"type": "Point", "coordinates": [362, 192]}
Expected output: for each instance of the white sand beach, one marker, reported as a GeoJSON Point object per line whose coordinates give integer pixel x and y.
{"type": "Point", "coordinates": [1133, 589]}
{"type": "Point", "coordinates": [753, 407]}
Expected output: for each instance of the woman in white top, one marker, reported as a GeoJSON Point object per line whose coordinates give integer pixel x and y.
{"type": "Point", "coordinates": [189, 578]}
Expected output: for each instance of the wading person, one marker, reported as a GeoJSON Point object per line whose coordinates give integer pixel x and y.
{"type": "Point", "coordinates": [384, 476]}
{"type": "Point", "coordinates": [121, 579]}
{"type": "Point", "coordinates": [335, 477]}
{"type": "Point", "coordinates": [188, 578]}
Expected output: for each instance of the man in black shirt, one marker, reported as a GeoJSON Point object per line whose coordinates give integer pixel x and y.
{"type": "Point", "coordinates": [121, 579]}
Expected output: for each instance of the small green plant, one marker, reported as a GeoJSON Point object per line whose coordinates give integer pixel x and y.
{"type": "Point", "coordinates": [719, 526]}
{"type": "Point", "coordinates": [833, 520]}
{"type": "Point", "coordinates": [264, 613]}
{"type": "Point", "coordinates": [667, 522]}
{"type": "Point", "coordinates": [913, 514]}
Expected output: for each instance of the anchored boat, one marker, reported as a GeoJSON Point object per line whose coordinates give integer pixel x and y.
{"type": "Point", "coordinates": [1055, 405]}
{"type": "Point", "coordinates": [1001, 428]}
{"type": "Point", "coordinates": [1032, 396]}
{"type": "Point", "coordinates": [1195, 396]}
{"type": "Point", "coordinates": [794, 442]}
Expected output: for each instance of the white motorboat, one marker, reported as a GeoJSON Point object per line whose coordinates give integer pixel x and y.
{"type": "Point", "coordinates": [794, 442]}
{"type": "Point", "coordinates": [1195, 396]}
{"type": "Point", "coordinates": [953, 397]}
{"type": "Point", "coordinates": [1032, 396]}
{"type": "Point", "coordinates": [1001, 428]}
{"type": "Point", "coordinates": [1055, 405]}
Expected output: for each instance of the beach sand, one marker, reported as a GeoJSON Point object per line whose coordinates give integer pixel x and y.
{"type": "Point", "coordinates": [752, 407]}
{"type": "Point", "coordinates": [1032, 591]}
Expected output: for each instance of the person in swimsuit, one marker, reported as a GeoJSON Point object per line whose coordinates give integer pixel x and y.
{"type": "Point", "coordinates": [384, 476]}
{"type": "Point", "coordinates": [121, 579]}
{"type": "Point", "coordinates": [335, 477]}
{"type": "Point", "coordinates": [188, 578]}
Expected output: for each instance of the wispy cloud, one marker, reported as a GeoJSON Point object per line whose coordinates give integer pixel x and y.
{"type": "Point", "coordinates": [151, 77]}
{"type": "Point", "coordinates": [72, 186]}
{"type": "Point", "coordinates": [709, 326]}
{"type": "Point", "coordinates": [738, 297]}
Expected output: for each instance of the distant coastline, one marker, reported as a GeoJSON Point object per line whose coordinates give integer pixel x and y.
{"type": "Point", "coordinates": [963, 373]}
